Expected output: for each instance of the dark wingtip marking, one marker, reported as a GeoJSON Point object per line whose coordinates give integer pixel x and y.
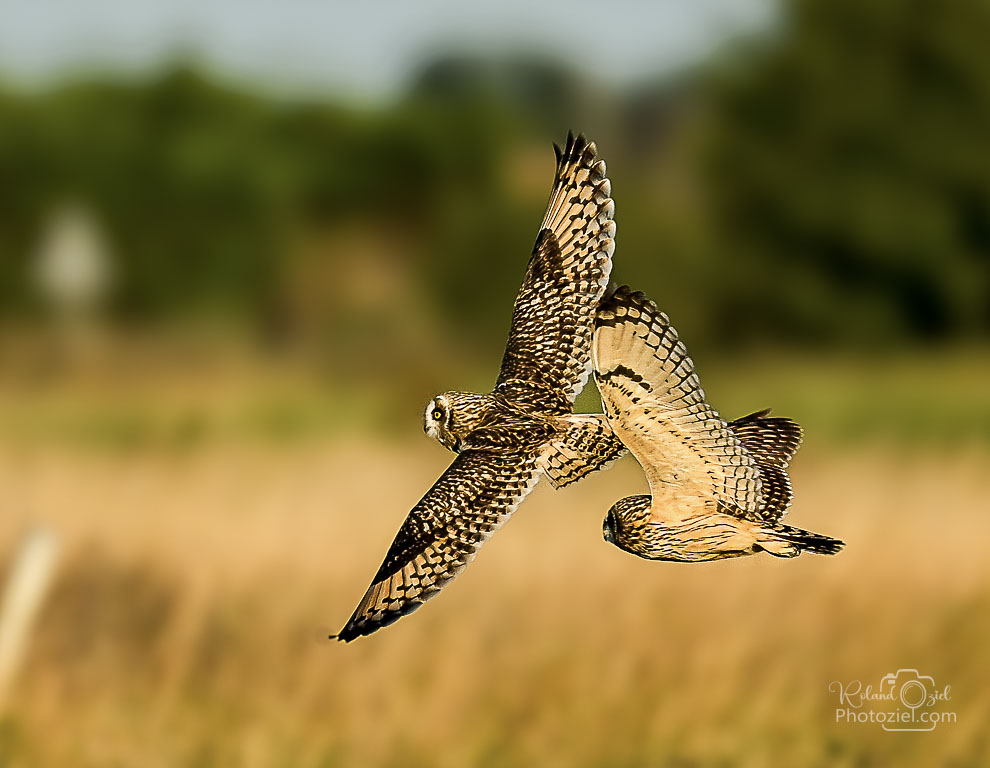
{"type": "Point", "coordinates": [754, 416]}
{"type": "Point", "coordinates": [624, 296]}
{"type": "Point", "coordinates": [577, 149]}
{"type": "Point", "coordinates": [610, 290]}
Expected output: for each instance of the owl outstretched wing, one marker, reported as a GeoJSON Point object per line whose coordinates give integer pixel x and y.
{"type": "Point", "coordinates": [547, 359]}
{"type": "Point", "coordinates": [477, 493]}
{"type": "Point", "coordinates": [655, 404]}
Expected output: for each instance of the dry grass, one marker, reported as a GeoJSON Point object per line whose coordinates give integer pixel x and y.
{"type": "Point", "coordinates": [185, 625]}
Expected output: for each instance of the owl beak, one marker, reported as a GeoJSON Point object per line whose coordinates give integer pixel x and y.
{"type": "Point", "coordinates": [608, 527]}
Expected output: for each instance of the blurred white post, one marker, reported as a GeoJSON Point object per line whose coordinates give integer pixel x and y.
{"type": "Point", "coordinates": [72, 262]}
{"type": "Point", "coordinates": [73, 270]}
{"type": "Point", "coordinates": [23, 596]}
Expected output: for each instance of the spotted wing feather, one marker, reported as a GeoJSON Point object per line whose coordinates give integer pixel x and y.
{"type": "Point", "coordinates": [771, 440]}
{"type": "Point", "coordinates": [477, 493]}
{"type": "Point", "coordinates": [655, 404]}
{"type": "Point", "coordinates": [587, 445]}
{"type": "Point", "coordinates": [776, 493]}
{"type": "Point", "coordinates": [547, 359]}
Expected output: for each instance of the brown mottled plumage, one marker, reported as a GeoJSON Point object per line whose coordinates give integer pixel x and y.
{"type": "Point", "coordinates": [524, 428]}
{"type": "Point", "coordinates": [718, 489]}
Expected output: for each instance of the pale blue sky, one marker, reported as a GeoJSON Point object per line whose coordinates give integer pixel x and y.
{"type": "Point", "coordinates": [365, 49]}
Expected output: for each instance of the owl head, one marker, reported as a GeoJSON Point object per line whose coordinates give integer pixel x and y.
{"type": "Point", "coordinates": [625, 522]}
{"type": "Point", "coordinates": [451, 417]}
{"type": "Point", "coordinates": [436, 421]}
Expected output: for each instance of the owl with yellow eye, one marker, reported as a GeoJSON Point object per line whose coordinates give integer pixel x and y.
{"type": "Point", "coordinates": [525, 428]}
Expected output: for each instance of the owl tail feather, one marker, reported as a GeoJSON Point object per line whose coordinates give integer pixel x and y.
{"type": "Point", "coordinates": [788, 541]}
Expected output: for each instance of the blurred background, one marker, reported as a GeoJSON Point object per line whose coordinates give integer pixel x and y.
{"type": "Point", "coordinates": [242, 245]}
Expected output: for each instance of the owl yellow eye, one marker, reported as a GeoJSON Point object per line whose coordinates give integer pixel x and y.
{"type": "Point", "coordinates": [437, 414]}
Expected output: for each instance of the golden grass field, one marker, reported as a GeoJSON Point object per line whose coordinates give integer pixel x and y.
{"type": "Point", "coordinates": [217, 519]}
{"type": "Point", "coordinates": [186, 624]}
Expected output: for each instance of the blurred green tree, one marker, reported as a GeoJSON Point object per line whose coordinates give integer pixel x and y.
{"type": "Point", "coordinates": [827, 183]}
{"type": "Point", "coordinates": [849, 177]}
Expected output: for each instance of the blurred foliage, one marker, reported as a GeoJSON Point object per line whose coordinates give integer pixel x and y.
{"type": "Point", "coordinates": [827, 184]}
{"type": "Point", "coordinates": [850, 167]}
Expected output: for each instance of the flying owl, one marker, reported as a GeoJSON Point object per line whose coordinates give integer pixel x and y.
{"type": "Point", "coordinates": [524, 428]}
{"type": "Point", "coordinates": [718, 490]}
